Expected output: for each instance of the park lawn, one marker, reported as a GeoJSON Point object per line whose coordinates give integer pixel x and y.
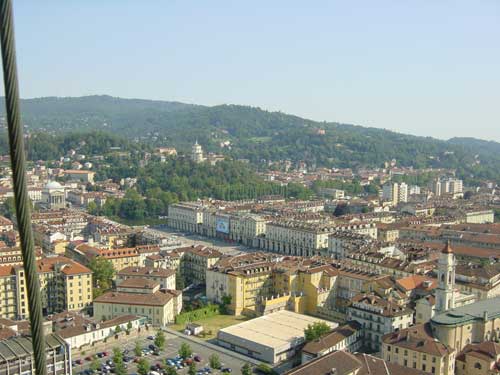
{"type": "Point", "coordinates": [213, 324]}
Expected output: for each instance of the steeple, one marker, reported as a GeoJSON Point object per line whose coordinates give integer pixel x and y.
{"type": "Point", "coordinates": [447, 249]}
{"type": "Point", "coordinates": [445, 292]}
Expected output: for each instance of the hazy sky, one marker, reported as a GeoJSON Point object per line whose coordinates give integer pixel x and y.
{"type": "Point", "coordinates": [424, 67]}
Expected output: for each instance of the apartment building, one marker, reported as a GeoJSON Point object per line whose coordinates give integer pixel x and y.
{"type": "Point", "coordinates": [120, 258]}
{"type": "Point", "coordinates": [342, 243]}
{"type": "Point", "coordinates": [378, 317]}
{"type": "Point", "coordinates": [186, 217]}
{"type": "Point", "coordinates": [196, 260]}
{"type": "Point", "coordinates": [395, 193]}
{"type": "Point", "coordinates": [64, 283]}
{"type": "Point", "coordinates": [261, 283]}
{"type": "Point", "coordinates": [296, 237]}
{"type": "Point", "coordinates": [416, 348]}
{"type": "Point", "coordinates": [246, 228]}
{"type": "Point", "coordinates": [80, 175]}
{"type": "Point", "coordinates": [17, 356]}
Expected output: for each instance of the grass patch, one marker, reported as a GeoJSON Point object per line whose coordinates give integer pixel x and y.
{"type": "Point", "coordinates": [213, 324]}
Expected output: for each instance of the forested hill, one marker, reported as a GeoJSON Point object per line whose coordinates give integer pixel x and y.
{"type": "Point", "coordinates": [258, 135]}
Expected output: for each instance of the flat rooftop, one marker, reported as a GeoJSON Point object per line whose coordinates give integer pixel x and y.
{"type": "Point", "coordinates": [276, 330]}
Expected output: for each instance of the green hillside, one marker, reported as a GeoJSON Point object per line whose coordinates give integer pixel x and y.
{"type": "Point", "coordinates": [258, 135]}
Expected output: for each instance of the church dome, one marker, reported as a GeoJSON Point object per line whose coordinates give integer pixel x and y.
{"type": "Point", "coordinates": [53, 185]}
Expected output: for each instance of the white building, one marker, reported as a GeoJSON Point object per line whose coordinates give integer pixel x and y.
{"type": "Point", "coordinates": [378, 317]}
{"type": "Point", "coordinates": [197, 153]}
{"type": "Point", "coordinates": [403, 192]}
{"type": "Point", "coordinates": [271, 338]}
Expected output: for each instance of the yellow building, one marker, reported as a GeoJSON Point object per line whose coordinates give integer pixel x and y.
{"type": "Point", "coordinates": [469, 324]}
{"type": "Point", "coordinates": [139, 297]}
{"type": "Point", "coordinates": [195, 262]}
{"type": "Point", "coordinates": [479, 359]}
{"type": "Point", "coordinates": [120, 258]}
{"type": "Point", "coordinates": [262, 283]}
{"type": "Point", "coordinates": [64, 283]}
{"type": "Point", "coordinates": [416, 348]}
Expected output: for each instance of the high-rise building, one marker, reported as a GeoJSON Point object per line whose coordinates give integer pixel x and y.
{"type": "Point", "coordinates": [395, 193]}
{"type": "Point", "coordinates": [390, 192]}
{"type": "Point", "coordinates": [403, 192]}
{"type": "Point", "coordinates": [447, 186]}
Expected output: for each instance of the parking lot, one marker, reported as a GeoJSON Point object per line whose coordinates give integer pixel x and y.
{"type": "Point", "coordinates": [170, 351]}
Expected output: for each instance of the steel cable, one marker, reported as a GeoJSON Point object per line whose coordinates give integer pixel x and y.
{"type": "Point", "coordinates": [17, 159]}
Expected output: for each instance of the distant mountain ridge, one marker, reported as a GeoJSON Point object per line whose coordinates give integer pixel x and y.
{"type": "Point", "coordinates": [258, 135]}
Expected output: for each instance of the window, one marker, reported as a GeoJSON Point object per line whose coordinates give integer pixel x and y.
{"type": "Point", "coordinates": [477, 365]}
{"type": "Point", "coordinates": [423, 367]}
{"type": "Point", "coordinates": [433, 370]}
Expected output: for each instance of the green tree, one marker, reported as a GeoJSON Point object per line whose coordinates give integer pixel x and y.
{"type": "Point", "coordinates": [129, 327]}
{"type": "Point", "coordinates": [103, 273]}
{"type": "Point", "coordinates": [185, 350]}
{"type": "Point", "coordinates": [92, 208]}
{"type": "Point", "coordinates": [132, 206]}
{"type": "Point", "coordinates": [94, 365]}
{"type": "Point", "coordinates": [192, 369]}
{"type": "Point", "coordinates": [169, 370]}
{"type": "Point", "coordinates": [118, 361]}
{"type": "Point", "coordinates": [214, 361]}
{"type": "Point", "coordinates": [160, 339]}
{"type": "Point", "coordinates": [316, 330]}
{"type": "Point", "coordinates": [246, 369]}
{"type": "Point", "coordinates": [118, 329]}
{"type": "Point", "coordinates": [143, 366]}
{"type": "Point", "coordinates": [9, 208]}
{"type": "Point", "coordinates": [265, 369]}
{"type": "Point", "coordinates": [137, 349]}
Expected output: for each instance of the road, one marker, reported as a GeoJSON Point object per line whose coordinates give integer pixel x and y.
{"type": "Point", "coordinates": [172, 346]}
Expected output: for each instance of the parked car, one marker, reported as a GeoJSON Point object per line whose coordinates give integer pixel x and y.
{"type": "Point", "coordinates": [226, 370]}
{"type": "Point", "coordinates": [197, 358]}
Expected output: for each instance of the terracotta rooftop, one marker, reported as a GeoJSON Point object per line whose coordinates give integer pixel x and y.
{"type": "Point", "coordinates": [333, 338]}
{"type": "Point", "coordinates": [153, 299]}
{"type": "Point", "coordinates": [418, 338]}
{"type": "Point", "coordinates": [146, 272]}
{"type": "Point", "coordinates": [344, 363]}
